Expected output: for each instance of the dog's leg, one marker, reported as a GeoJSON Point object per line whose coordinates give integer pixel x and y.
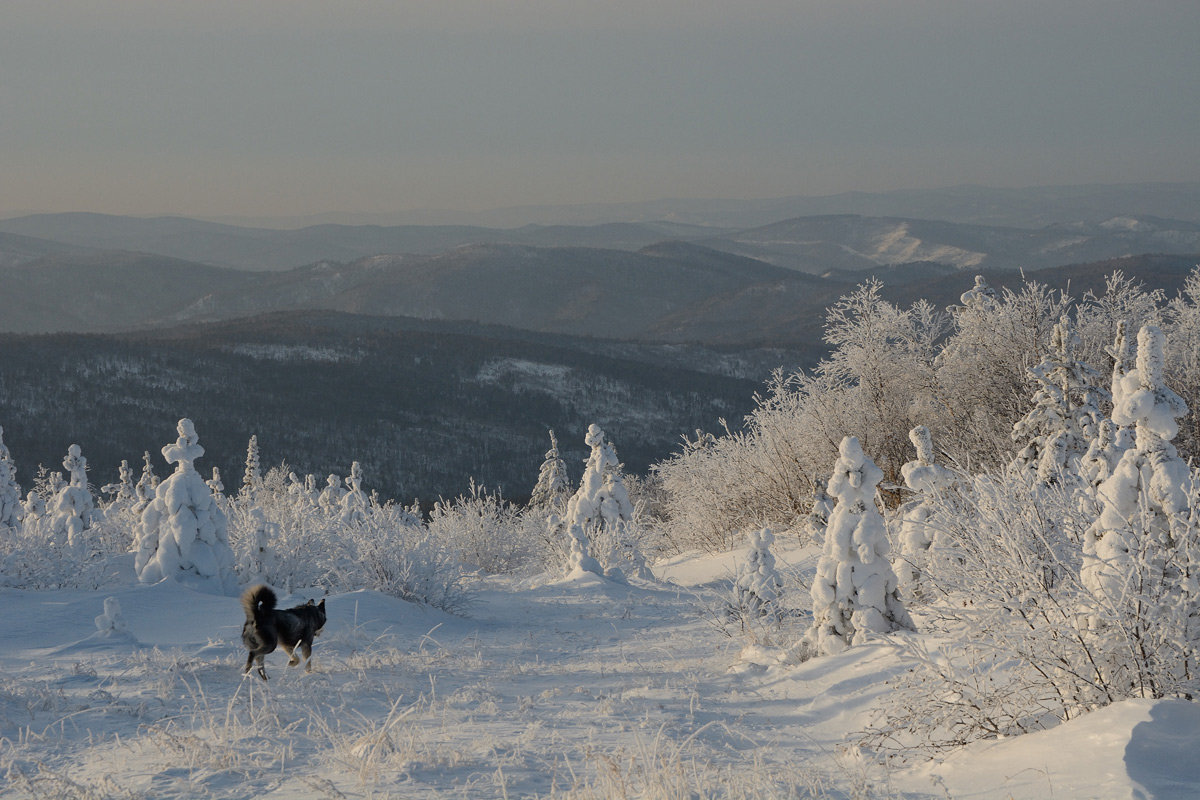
{"type": "Point", "coordinates": [306, 648]}
{"type": "Point", "coordinates": [293, 660]}
{"type": "Point", "coordinates": [262, 668]}
{"type": "Point", "coordinates": [249, 662]}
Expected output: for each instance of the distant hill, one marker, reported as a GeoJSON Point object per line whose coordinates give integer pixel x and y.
{"type": "Point", "coordinates": [267, 249]}
{"type": "Point", "coordinates": [423, 405]}
{"type": "Point", "coordinates": [1023, 207]}
{"type": "Point", "coordinates": [665, 293]}
{"type": "Point", "coordinates": [817, 244]}
{"type": "Point", "coordinates": [851, 243]}
{"type": "Point", "coordinates": [16, 249]}
{"type": "Point", "coordinates": [104, 291]}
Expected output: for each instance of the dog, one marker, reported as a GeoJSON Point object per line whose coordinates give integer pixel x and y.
{"type": "Point", "coordinates": [268, 627]}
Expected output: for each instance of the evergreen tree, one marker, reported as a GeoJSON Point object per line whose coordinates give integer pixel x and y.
{"type": "Point", "coordinates": [73, 505]}
{"type": "Point", "coordinates": [757, 587]}
{"type": "Point", "coordinates": [252, 479]}
{"type": "Point", "coordinates": [146, 486]}
{"type": "Point", "coordinates": [183, 533]}
{"type": "Point", "coordinates": [354, 502]}
{"type": "Point", "coordinates": [553, 486]}
{"type": "Point", "coordinates": [1144, 502]}
{"type": "Point", "coordinates": [1066, 410]}
{"type": "Point", "coordinates": [10, 490]}
{"type": "Point", "coordinates": [602, 512]}
{"type": "Point", "coordinates": [854, 592]}
{"type": "Point", "coordinates": [918, 531]}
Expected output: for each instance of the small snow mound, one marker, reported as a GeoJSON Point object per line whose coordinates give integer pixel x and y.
{"type": "Point", "coordinates": [1136, 748]}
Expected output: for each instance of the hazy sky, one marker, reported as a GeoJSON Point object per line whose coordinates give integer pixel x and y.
{"type": "Point", "coordinates": [289, 107]}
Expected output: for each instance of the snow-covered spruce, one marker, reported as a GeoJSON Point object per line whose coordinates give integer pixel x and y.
{"type": "Point", "coordinates": [854, 592]}
{"type": "Point", "coordinates": [252, 478]}
{"type": "Point", "coordinates": [122, 491]}
{"type": "Point", "coordinates": [146, 486]}
{"type": "Point", "coordinates": [1066, 410]}
{"type": "Point", "coordinates": [331, 496]}
{"type": "Point", "coordinates": [183, 532]}
{"type": "Point", "coordinates": [354, 503]}
{"type": "Point", "coordinates": [980, 295]}
{"type": "Point", "coordinates": [72, 505]}
{"type": "Point", "coordinates": [817, 519]}
{"type": "Point", "coordinates": [259, 560]}
{"type": "Point", "coordinates": [918, 529]}
{"type": "Point", "coordinates": [1104, 453]}
{"type": "Point", "coordinates": [1144, 513]}
{"type": "Point", "coordinates": [553, 485]}
{"type": "Point", "coordinates": [10, 490]}
{"type": "Point", "coordinates": [757, 587]}
{"type": "Point", "coordinates": [600, 512]}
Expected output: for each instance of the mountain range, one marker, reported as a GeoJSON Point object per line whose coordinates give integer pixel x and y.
{"type": "Point", "coordinates": [659, 281]}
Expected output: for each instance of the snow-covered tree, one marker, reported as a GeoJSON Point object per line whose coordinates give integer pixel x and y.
{"type": "Point", "coordinates": [72, 506]}
{"type": "Point", "coordinates": [1104, 453]}
{"type": "Point", "coordinates": [252, 478]}
{"type": "Point", "coordinates": [817, 519]}
{"type": "Point", "coordinates": [122, 491]}
{"type": "Point", "coordinates": [146, 485]}
{"type": "Point", "coordinates": [1144, 503]}
{"type": "Point", "coordinates": [259, 559]}
{"type": "Point", "coordinates": [34, 507]}
{"type": "Point", "coordinates": [918, 529]}
{"type": "Point", "coordinates": [579, 559]}
{"type": "Point", "coordinates": [982, 370]}
{"type": "Point", "coordinates": [1066, 410]}
{"type": "Point", "coordinates": [854, 592]}
{"type": "Point", "coordinates": [602, 512]}
{"type": "Point", "coordinates": [1182, 326]}
{"type": "Point", "coordinates": [354, 503]}
{"type": "Point", "coordinates": [978, 296]}
{"type": "Point", "coordinates": [553, 485]}
{"type": "Point", "coordinates": [757, 586]}
{"type": "Point", "coordinates": [10, 490]}
{"type": "Point", "coordinates": [331, 496]}
{"type": "Point", "coordinates": [183, 533]}
{"type": "Point", "coordinates": [112, 621]}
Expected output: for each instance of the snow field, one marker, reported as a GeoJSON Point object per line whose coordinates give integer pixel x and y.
{"type": "Point", "coordinates": [575, 688]}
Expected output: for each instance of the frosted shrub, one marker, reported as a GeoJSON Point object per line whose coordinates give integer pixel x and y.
{"type": "Point", "coordinates": [396, 557]}
{"type": "Point", "coordinates": [854, 592]}
{"type": "Point", "coordinates": [487, 533]}
{"type": "Point", "coordinates": [1010, 644]}
{"type": "Point", "coordinates": [282, 537]}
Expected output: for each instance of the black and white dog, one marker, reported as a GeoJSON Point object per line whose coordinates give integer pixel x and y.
{"type": "Point", "coordinates": [267, 627]}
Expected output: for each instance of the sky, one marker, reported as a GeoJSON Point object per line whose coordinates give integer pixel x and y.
{"type": "Point", "coordinates": [298, 107]}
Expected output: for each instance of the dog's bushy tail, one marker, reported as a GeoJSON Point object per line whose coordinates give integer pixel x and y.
{"type": "Point", "coordinates": [259, 603]}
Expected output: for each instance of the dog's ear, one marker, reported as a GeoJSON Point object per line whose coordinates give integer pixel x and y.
{"type": "Point", "coordinates": [310, 602]}
{"type": "Point", "coordinates": [321, 604]}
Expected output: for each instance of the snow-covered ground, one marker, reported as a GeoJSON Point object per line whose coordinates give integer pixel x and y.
{"type": "Point", "coordinates": [580, 688]}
